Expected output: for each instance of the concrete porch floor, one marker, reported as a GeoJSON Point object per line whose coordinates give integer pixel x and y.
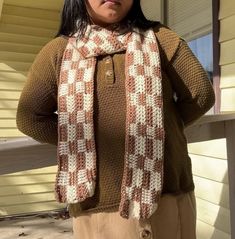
{"type": "Point", "coordinates": [36, 227]}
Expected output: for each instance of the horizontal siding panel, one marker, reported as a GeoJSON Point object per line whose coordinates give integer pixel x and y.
{"type": "Point", "coordinates": [227, 52]}
{"type": "Point", "coordinates": [11, 85]}
{"type": "Point", "coordinates": [24, 39]}
{"type": "Point", "coordinates": [31, 208]}
{"type": "Point", "coordinates": [17, 57]}
{"type": "Point", "coordinates": [8, 114]}
{"type": "Point", "coordinates": [30, 12]}
{"type": "Point", "coordinates": [227, 76]}
{"type": "Point", "coordinates": [214, 192]}
{"type": "Point", "coordinates": [8, 104]}
{"type": "Point", "coordinates": [25, 199]}
{"type": "Point", "coordinates": [225, 29]}
{"type": "Point", "coordinates": [228, 100]}
{"type": "Point", "coordinates": [11, 77]}
{"type": "Point", "coordinates": [213, 215]}
{"type": "Point", "coordinates": [24, 30]}
{"type": "Point", "coordinates": [207, 167]}
{"type": "Point", "coordinates": [26, 189]}
{"type": "Point", "coordinates": [26, 179]}
{"type": "Point", "coordinates": [7, 123]}
{"type": "Point", "coordinates": [15, 47]}
{"type": "Point", "coordinates": [42, 4]}
{"type": "Point", "coordinates": [34, 195]}
{"type": "Point", "coordinates": [227, 8]}
{"type": "Point", "coordinates": [213, 148]}
{"type": "Point", "coordinates": [10, 133]}
{"type": "Point", "coordinates": [31, 22]}
{"type": "Point", "coordinates": [46, 170]}
{"type": "Point", "coordinates": [15, 66]}
{"type": "Point", "coordinates": [9, 95]}
{"type": "Point", "coordinates": [205, 231]}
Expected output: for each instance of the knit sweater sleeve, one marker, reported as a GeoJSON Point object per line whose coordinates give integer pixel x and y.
{"type": "Point", "coordinates": [36, 112]}
{"type": "Point", "coordinates": [194, 91]}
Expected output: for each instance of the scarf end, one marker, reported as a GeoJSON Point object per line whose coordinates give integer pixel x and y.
{"type": "Point", "coordinates": [136, 210]}
{"type": "Point", "coordinates": [74, 193]}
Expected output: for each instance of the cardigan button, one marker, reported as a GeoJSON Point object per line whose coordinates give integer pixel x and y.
{"type": "Point", "coordinates": [109, 73]}
{"type": "Point", "coordinates": [108, 60]}
{"type": "Point", "coordinates": [146, 234]}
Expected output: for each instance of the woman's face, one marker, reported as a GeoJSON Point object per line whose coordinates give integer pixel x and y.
{"type": "Point", "coordinates": [106, 12]}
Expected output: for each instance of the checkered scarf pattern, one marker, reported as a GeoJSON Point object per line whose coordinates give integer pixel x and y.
{"type": "Point", "coordinates": [144, 141]}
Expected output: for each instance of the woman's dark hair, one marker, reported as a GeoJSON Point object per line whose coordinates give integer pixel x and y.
{"type": "Point", "coordinates": [75, 17]}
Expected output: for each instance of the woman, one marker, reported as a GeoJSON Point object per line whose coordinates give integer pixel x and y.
{"type": "Point", "coordinates": [125, 88]}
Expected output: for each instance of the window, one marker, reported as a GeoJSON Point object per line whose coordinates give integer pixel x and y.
{"type": "Point", "coordinates": [202, 48]}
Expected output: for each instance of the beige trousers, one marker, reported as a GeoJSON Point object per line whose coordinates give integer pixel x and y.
{"type": "Point", "coordinates": [174, 219]}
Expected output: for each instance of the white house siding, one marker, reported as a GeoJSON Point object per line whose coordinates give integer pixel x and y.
{"type": "Point", "coordinates": [227, 59]}
{"type": "Point", "coordinates": [28, 192]}
{"type": "Point", "coordinates": [209, 160]}
{"type": "Point", "coordinates": [25, 27]}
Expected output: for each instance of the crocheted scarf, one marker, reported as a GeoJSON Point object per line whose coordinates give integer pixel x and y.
{"type": "Point", "coordinates": [144, 138]}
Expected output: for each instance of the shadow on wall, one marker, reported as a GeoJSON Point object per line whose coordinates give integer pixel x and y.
{"type": "Point", "coordinates": [210, 170]}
